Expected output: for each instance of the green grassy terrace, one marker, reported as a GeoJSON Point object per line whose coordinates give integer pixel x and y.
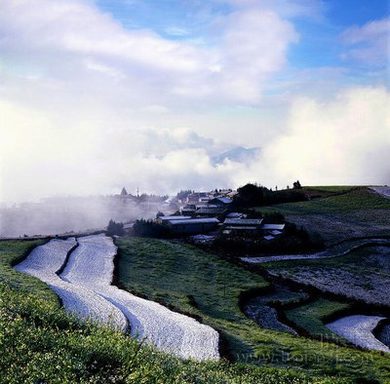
{"type": "Point", "coordinates": [310, 317]}
{"type": "Point", "coordinates": [195, 282]}
{"type": "Point", "coordinates": [40, 343]}
{"type": "Point", "coordinates": [352, 200]}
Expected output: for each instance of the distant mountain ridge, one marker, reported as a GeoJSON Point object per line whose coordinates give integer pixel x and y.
{"type": "Point", "coordinates": [238, 154]}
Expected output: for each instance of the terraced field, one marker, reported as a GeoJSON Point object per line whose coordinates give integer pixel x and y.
{"type": "Point", "coordinates": [261, 308]}
{"type": "Point", "coordinates": [192, 281]}
{"type": "Point", "coordinates": [84, 286]}
{"type": "Point", "coordinates": [41, 343]}
{"type": "Point", "coordinates": [311, 318]}
{"type": "Point", "coordinates": [363, 274]}
{"type": "Point", "coordinates": [358, 330]}
{"type": "Point", "coordinates": [44, 262]}
{"type": "Point", "coordinates": [36, 331]}
{"type": "Point", "coordinates": [359, 212]}
{"type": "Point", "coordinates": [91, 265]}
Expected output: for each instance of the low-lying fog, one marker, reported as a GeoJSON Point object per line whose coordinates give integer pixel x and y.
{"type": "Point", "coordinates": [60, 215]}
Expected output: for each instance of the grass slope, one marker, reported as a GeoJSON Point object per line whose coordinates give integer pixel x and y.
{"type": "Point", "coordinates": [359, 212]}
{"type": "Point", "coordinates": [192, 281]}
{"type": "Point", "coordinates": [40, 343]}
{"type": "Point", "coordinates": [356, 199]}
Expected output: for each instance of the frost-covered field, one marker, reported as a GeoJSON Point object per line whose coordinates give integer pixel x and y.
{"type": "Point", "coordinates": [384, 191]}
{"type": "Point", "coordinates": [260, 308]}
{"type": "Point", "coordinates": [91, 265]}
{"type": "Point", "coordinates": [373, 289]}
{"type": "Point", "coordinates": [336, 251]}
{"type": "Point", "coordinates": [358, 330]}
{"type": "Point", "coordinates": [44, 262]}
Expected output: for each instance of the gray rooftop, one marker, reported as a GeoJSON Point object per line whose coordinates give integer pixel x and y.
{"type": "Point", "coordinates": [234, 215]}
{"type": "Point", "coordinates": [246, 228]}
{"type": "Point", "coordinates": [206, 220]}
{"type": "Point", "coordinates": [272, 227]}
{"type": "Point", "coordinates": [233, 221]}
{"type": "Point", "coordinates": [210, 210]}
{"type": "Point", "coordinates": [223, 199]}
{"type": "Point", "coordinates": [177, 217]}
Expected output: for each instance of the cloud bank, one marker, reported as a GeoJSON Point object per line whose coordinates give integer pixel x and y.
{"type": "Point", "coordinates": [87, 105]}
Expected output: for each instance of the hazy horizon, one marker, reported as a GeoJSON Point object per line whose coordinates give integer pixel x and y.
{"type": "Point", "coordinates": [162, 96]}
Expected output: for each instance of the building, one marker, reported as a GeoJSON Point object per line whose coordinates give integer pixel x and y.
{"type": "Point", "coordinates": [210, 211]}
{"type": "Point", "coordinates": [241, 226]}
{"type": "Point", "coordinates": [192, 226]}
{"type": "Point", "coordinates": [242, 222]}
{"type": "Point", "coordinates": [198, 197]}
{"type": "Point", "coordinates": [273, 227]}
{"type": "Point", "coordinates": [270, 231]}
{"type": "Point", "coordinates": [221, 201]}
{"type": "Point", "coordinates": [244, 226]}
{"type": "Point", "coordinates": [188, 210]}
{"type": "Point", "coordinates": [235, 215]}
{"type": "Point", "coordinates": [165, 219]}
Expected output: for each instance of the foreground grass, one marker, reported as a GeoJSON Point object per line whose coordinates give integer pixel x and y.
{"type": "Point", "coordinates": [40, 343]}
{"type": "Point", "coordinates": [192, 281]}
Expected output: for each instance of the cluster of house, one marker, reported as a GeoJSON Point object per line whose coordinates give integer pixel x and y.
{"type": "Point", "coordinates": [204, 212]}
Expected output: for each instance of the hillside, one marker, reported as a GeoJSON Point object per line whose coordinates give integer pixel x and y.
{"type": "Point", "coordinates": [44, 344]}
{"type": "Point", "coordinates": [277, 321]}
{"type": "Point", "coordinates": [339, 213]}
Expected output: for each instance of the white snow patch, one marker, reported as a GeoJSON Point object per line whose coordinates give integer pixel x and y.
{"type": "Point", "coordinates": [384, 191]}
{"type": "Point", "coordinates": [358, 330]}
{"type": "Point", "coordinates": [91, 265]}
{"type": "Point", "coordinates": [44, 261]}
{"type": "Point", "coordinates": [327, 254]}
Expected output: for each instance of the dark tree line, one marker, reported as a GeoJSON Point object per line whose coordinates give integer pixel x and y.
{"type": "Point", "coordinates": [251, 195]}
{"type": "Point", "coordinates": [114, 228]}
{"type": "Point", "coordinates": [183, 194]}
{"type": "Point", "coordinates": [149, 228]}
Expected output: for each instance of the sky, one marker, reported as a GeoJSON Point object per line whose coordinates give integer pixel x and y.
{"type": "Point", "coordinates": [100, 94]}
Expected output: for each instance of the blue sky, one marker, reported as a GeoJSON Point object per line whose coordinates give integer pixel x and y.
{"type": "Point", "coordinates": [149, 92]}
{"type": "Point", "coordinates": [319, 27]}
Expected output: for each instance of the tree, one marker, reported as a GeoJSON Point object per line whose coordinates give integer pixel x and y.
{"type": "Point", "coordinates": [297, 185]}
{"type": "Point", "coordinates": [115, 229]}
{"type": "Point", "coordinates": [251, 195]}
{"type": "Point", "coordinates": [182, 195]}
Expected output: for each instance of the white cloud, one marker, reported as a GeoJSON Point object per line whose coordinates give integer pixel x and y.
{"type": "Point", "coordinates": [53, 37]}
{"type": "Point", "coordinates": [368, 44]}
{"type": "Point", "coordinates": [313, 9]}
{"type": "Point", "coordinates": [346, 140]}
{"type": "Point", "coordinates": [85, 102]}
{"type": "Point", "coordinates": [87, 106]}
{"type": "Point", "coordinates": [255, 44]}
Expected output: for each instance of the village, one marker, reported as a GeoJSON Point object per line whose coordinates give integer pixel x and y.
{"type": "Point", "coordinates": [204, 215]}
